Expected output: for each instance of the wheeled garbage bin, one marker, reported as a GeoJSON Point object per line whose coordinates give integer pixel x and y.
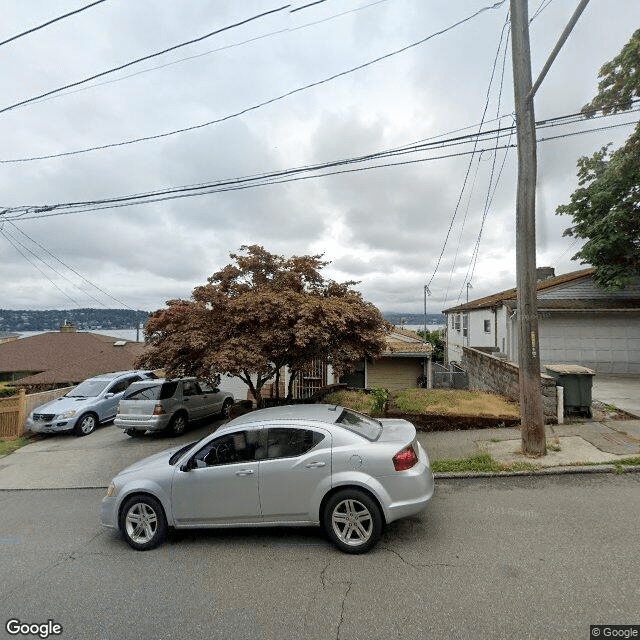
{"type": "Point", "coordinates": [576, 382]}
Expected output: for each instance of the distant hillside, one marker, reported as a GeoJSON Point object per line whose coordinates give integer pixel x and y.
{"type": "Point", "coordinates": [414, 318]}
{"type": "Point", "coordinates": [85, 319]}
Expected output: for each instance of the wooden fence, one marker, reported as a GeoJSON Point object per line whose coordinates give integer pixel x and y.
{"type": "Point", "coordinates": [15, 409]}
{"type": "Point", "coordinates": [12, 415]}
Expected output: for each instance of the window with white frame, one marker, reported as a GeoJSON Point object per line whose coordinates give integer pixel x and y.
{"type": "Point", "coordinates": [487, 326]}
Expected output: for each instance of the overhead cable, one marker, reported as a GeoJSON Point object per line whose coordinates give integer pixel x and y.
{"type": "Point", "coordinates": [147, 57]}
{"type": "Point", "coordinates": [264, 102]}
{"type": "Point", "coordinates": [46, 24]}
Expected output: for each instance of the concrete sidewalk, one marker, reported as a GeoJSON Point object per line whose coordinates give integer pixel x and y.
{"type": "Point", "coordinates": [568, 445]}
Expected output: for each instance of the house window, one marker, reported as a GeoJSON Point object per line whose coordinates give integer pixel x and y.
{"type": "Point", "coordinates": [453, 321]}
{"type": "Point", "coordinates": [487, 326]}
{"type": "Point", "coordinates": [465, 324]}
{"type": "Point", "coordinates": [457, 322]}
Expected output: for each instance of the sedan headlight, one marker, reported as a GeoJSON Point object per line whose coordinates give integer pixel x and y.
{"type": "Point", "coordinates": [111, 490]}
{"type": "Point", "coordinates": [67, 414]}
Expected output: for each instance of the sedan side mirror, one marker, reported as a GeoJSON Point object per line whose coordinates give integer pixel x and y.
{"type": "Point", "coordinates": [187, 466]}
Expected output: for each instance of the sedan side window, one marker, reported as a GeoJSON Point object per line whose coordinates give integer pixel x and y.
{"type": "Point", "coordinates": [285, 442]}
{"type": "Point", "coordinates": [240, 446]}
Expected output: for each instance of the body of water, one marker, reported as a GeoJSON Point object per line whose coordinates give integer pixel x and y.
{"type": "Point", "coordinates": [122, 334]}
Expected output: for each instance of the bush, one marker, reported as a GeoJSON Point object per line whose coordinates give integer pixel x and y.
{"type": "Point", "coordinates": [6, 392]}
{"type": "Point", "coordinates": [380, 397]}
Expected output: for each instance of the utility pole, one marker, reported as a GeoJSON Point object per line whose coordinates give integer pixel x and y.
{"type": "Point", "coordinates": [532, 419]}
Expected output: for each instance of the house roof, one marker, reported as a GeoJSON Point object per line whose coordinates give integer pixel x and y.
{"type": "Point", "coordinates": [504, 297]}
{"type": "Point", "coordinates": [66, 357]}
{"type": "Point", "coordinates": [406, 343]}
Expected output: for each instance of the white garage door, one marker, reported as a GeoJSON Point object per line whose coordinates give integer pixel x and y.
{"type": "Point", "coordinates": [606, 342]}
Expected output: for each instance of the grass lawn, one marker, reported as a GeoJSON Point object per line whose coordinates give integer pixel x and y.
{"type": "Point", "coordinates": [460, 402]}
{"type": "Point", "coordinates": [9, 446]}
{"type": "Point", "coordinates": [356, 400]}
{"type": "Point", "coordinates": [439, 401]}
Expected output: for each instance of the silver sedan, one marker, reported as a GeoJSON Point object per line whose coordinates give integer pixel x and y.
{"type": "Point", "coordinates": [303, 465]}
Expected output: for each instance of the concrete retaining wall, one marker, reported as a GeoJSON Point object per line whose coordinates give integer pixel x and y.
{"type": "Point", "coordinates": [487, 373]}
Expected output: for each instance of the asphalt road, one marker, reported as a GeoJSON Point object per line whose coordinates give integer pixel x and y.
{"type": "Point", "coordinates": [517, 557]}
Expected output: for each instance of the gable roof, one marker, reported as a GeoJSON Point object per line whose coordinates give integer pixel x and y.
{"type": "Point", "coordinates": [405, 342]}
{"type": "Point", "coordinates": [508, 295]}
{"type": "Point", "coordinates": [66, 357]}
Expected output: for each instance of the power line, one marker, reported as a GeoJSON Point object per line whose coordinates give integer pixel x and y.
{"type": "Point", "coordinates": [10, 241]}
{"type": "Point", "coordinates": [147, 57]}
{"type": "Point", "coordinates": [276, 177]}
{"type": "Point", "coordinates": [46, 24]}
{"type": "Point", "coordinates": [64, 264]}
{"type": "Point", "coordinates": [466, 177]}
{"type": "Point", "coordinates": [265, 102]}
{"type": "Point", "coordinates": [44, 262]}
{"type": "Point", "coordinates": [206, 53]}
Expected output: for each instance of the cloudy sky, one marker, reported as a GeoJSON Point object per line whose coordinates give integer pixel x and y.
{"type": "Point", "coordinates": [394, 228]}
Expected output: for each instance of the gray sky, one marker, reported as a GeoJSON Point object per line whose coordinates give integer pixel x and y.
{"type": "Point", "coordinates": [385, 227]}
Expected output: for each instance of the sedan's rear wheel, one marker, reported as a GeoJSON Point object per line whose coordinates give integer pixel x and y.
{"type": "Point", "coordinates": [142, 522]}
{"type": "Point", "coordinates": [86, 424]}
{"type": "Point", "coordinates": [352, 520]}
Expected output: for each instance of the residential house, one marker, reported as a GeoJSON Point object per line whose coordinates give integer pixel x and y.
{"type": "Point", "coordinates": [405, 360]}
{"type": "Point", "coordinates": [578, 323]}
{"type": "Point", "coordinates": [64, 357]}
{"type": "Point", "coordinates": [6, 336]}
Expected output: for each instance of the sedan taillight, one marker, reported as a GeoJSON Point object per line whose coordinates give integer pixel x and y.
{"type": "Point", "coordinates": [158, 410]}
{"type": "Point", "coordinates": [405, 459]}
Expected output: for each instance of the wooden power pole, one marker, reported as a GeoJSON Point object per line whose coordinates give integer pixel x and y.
{"type": "Point", "coordinates": [532, 418]}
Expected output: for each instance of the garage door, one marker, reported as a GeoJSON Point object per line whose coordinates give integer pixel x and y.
{"type": "Point", "coordinates": [605, 342]}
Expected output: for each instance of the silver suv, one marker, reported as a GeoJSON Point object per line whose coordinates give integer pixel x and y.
{"type": "Point", "coordinates": [169, 405]}
{"type": "Point", "coordinates": [92, 402]}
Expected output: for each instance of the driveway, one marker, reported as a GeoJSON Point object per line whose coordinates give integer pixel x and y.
{"type": "Point", "coordinates": [622, 391]}
{"type": "Point", "coordinates": [67, 462]}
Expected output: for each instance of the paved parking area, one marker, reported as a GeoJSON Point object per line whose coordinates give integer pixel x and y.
{"type": "Point", "coordinates": [622, 391]}
{"type": "Point", "coordinates": [66, 462]}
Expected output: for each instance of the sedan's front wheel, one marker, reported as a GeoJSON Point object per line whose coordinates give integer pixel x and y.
{"type": "Point", "coordinates": [352, 520]}
{"type": "Point", "coordinates": [142, 522]}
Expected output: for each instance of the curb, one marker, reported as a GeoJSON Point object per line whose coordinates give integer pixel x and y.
{"type": "Point", "coordinates": [548, 471]}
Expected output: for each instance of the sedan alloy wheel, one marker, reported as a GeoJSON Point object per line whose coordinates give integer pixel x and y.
{"type": "Point", "coordinates": [85, 425]}
{"type": "Point", "coordinates": [142, 522]}
{"type": "Point", "coordinates": [353, 521]}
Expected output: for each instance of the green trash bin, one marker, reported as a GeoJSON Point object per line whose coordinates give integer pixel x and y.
{"type": "Point", "coordinates": [576, 382]}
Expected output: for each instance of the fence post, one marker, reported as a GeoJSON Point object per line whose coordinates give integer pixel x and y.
{"type": "Point", "coordinates": [22, 411]}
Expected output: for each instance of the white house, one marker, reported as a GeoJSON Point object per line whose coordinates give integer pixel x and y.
{"type": "Point", "coordinates": [578, 323]}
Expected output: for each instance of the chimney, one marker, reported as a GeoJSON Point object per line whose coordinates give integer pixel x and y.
{"type": "Point", "coordinates": [67, 327]}
{"type": "Point", "coordinates": [544, 273]}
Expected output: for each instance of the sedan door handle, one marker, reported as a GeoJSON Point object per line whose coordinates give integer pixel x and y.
{"type": "Point", "coordinates": [244, 472]}
{"type": "Point", "coordinates": [315, 465]}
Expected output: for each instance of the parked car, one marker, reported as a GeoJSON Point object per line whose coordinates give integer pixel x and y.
{"type": "Point", "coordinates": [169, 405]}
{"type": "Point", "coordinates": [92, 402]}
{"type": "Point", "coordinates": [298, 465]}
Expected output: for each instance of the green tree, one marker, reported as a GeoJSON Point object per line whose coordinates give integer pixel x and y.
{"type": "Point", "coordinates": [606, 206]}
{"type": "Point", "coordinates": [260, 313]}
{"type": "Point", "coordinates": [436, 338]}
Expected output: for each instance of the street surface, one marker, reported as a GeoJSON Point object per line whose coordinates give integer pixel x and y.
{"type": "Point", "coordinates": [517, 557]}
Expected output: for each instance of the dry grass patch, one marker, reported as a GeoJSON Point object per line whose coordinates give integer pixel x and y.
{"type": "Point", "coordinates": [455, 402]}
{"type": "Point", "coordinates": [356, 400]}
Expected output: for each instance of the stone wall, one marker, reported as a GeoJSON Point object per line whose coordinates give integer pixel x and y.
{"type": "Point", "coordinates": [487, 373]}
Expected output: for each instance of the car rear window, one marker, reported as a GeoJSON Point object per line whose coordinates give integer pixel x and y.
{"type": "Point", "coordinates": [145, 391]}
{"type": "Point", "coordinates": [358, 423]}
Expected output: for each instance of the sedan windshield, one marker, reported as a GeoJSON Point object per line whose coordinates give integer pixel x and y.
{"type": "Point", "coordinates": [362, 425]}
{"type": "Point", "coordinates": [180, 452]}
{"type": "Point", "coordinates": [89, 389]}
